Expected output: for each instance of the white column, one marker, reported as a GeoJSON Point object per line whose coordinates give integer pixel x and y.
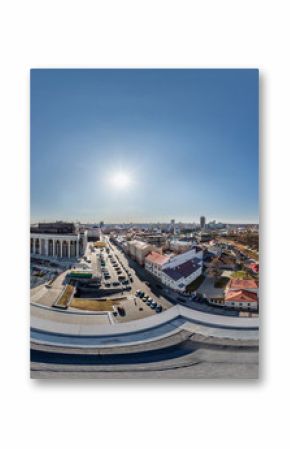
{"type": "Point", "coordinates": [68, 249]}
{"type": "Point", "coordinates": [33, 251]}
{"type": "Point", "coordinates": [53, 247]}
{"type": "Point", "coordinates": [78, 249]}
{"type": "Point", "coordinates": [61, 242]}
{"type": "Point", "coordinates": [46, 247]}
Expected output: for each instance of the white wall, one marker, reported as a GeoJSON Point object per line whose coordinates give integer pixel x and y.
{"type": "Point", "coordinates": [166, 280]}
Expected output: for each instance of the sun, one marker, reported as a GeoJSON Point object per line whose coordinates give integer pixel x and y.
{"type": "Point", "coordinates": [120, 180]}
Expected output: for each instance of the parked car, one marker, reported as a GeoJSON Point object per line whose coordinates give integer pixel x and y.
{"type": "Point", "coordinates": [153, 305]}
{"type": "Point", "coordinates": [107, 284]}
{"type": "Point", "coordinates": [116, 283]}
{"type": "Point", "coordinates": [158, 309]}
{"type": "Point", "coordinates": [121, 311]}
{"type": "Point", "coordinates": [149, 301]}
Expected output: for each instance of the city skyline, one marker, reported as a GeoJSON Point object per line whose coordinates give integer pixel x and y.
{"type": "Point", "coordinates": [144, 146]}
{"type": "Point", "coordinates": [97, 222]}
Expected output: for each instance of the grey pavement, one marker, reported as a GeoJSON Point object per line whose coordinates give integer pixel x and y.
{"type": "Point", "coordinates": [207, 288]}
{"type": "Point", "coordinates": [203, 363]}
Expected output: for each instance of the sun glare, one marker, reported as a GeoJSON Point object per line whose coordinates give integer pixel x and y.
{"type": "Point", "coordinates": [120, 180]}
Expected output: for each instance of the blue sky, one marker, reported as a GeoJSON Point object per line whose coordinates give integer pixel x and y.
{"type": "Point", "coordinates": [186, 139]}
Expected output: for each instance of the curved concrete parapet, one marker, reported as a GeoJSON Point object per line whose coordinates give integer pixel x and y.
{"type": "Point", "coordinates": [82, 330]}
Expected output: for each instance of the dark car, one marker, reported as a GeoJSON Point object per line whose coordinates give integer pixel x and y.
{"type": "Point", "coordinates": [121, 311]}
{"type": "Point", "coordinates": [158, 309]}
{"type": "Point", "coordinates": [116, 283]}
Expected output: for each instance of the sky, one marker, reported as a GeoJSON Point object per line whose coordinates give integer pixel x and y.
{"type": "Point", "coordinates": [143, 146]}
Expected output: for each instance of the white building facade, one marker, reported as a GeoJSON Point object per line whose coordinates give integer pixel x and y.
{"type": "Point", "coordinates": [69, 245]}
{"type": "Point", "coordinates": [154, 263]}
{"type": "Point", "coordinates": [176, 271]}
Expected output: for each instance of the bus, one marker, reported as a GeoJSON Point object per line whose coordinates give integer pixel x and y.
{"type": "Point", "coordinates": [81, 274]}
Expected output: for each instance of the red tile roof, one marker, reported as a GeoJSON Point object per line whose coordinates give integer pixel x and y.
{"type": "Point", "coordinates": [157, 258]}
{"type": "Point", "coordinates": [241, 296]}
{"type": "Point", "coordinates": [242, 284]}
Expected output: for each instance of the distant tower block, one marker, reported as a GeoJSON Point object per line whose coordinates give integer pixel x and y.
{"type": "Point", "coordinates": [202, 222]}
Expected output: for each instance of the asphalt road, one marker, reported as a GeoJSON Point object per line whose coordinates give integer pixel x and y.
{"type": "Point", "coordinates": [187, 360]}
{"type": "Point", "coordinates": [146, 282]}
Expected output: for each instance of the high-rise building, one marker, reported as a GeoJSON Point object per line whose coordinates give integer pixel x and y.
{"type": "Point", "coordinates": [202, 222]}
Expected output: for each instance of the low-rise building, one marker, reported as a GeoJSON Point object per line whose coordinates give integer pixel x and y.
{"type": "Point", "coordinates": [241, 300]}
{"type": "Point", "coordinates": [138, 250]}
{"type": "Point", "coordinates": [178, 277]}
{"type": "Point", "coordinates": [214, 249]}
{"type": "Point", "coordinates": [175, 271]}
{"type": "Point", "coordinates": [179, 246]}
{"type": "Point", "coordinates": [93, 233]}
{"type": "Point", "coordinates": [249, 285]}
{"type": "Point", "coordinates": [154, 263]}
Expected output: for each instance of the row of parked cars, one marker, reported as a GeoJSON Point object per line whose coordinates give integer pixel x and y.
{"type": "Point", "coordinates": [149, 301]}
{"type": "Point", "coordinates": [122, 279]}
{"type": "Point", "coordinates": [127, 271]}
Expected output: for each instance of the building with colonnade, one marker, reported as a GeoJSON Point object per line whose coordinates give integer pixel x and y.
{"type": "Point", "coordinates": [57, 240]}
